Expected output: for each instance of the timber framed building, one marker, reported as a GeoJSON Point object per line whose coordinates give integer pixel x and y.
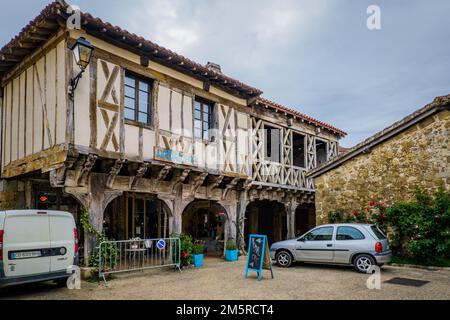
{"type": "Point", "coordinates": [151, 143]}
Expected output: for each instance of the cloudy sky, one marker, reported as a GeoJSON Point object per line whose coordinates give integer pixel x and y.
{"type": "Point", "coordinates": [316, 56]}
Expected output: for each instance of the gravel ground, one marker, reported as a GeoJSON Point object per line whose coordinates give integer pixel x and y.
{"type": "Point", "coordinates": [223, 280]}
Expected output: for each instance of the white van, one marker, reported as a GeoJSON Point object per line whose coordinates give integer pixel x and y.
{"type": "Point", "coordinates": [36, 245]}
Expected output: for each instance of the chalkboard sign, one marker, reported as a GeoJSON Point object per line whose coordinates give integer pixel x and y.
{"type": "Point", "coordinates": [258, 257]}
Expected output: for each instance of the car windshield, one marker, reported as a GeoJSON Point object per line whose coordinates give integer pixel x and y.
{"type": "Point", "coordinates": [380, 235]}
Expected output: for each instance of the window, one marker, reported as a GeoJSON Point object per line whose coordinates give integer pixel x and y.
{"type": "Point", "coordinates": [203, 119]}
{"type": "Point", "coordinates": [321, 234]}
{"type": "Point", "coordinates": [148, 217]}
{"type": "Point", "coordinates": [349, 233]}
{"type": "Point", "coordinates": [380, 235]}
{"type": "Point", "coordinates": [321, 152]}
{"type": "Point", "coordinates": [299, 152]}
{"type": "Point", "coordinates": [137, 99]}
{"type": "Point", "coordinates": [273, 142]}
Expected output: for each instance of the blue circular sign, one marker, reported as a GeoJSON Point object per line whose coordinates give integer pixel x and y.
{"type": "Point", "coordinates": [161, 244]}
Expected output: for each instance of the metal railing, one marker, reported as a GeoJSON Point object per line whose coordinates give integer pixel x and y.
{"type": "Point", "coordinates": [138, 255]}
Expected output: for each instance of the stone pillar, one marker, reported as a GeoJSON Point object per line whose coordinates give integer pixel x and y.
{"type": "Point", "coordinates": [179, 204]}
{"type": "Point", "coordinates": [241, 209]}
{"type": "Point", "coordinates": [291, 207]}
{"type": "Point", "coordinates": [230, 223]}
{"type": "Point", "coordinates": [95, 197]}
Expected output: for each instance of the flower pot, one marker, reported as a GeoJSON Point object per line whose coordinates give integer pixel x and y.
{"type": "Point", "coordinates": [198, 260]}
{"type": "Point", "coordinates": [231, 255]}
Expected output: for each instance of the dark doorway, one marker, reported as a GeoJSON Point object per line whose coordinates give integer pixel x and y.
{"type": "Point", "coordinates": [205, 222]}
{"type": "Point", "coordinates": [305, 218]}
{"type": "Point", "coordinates": [266, 218]}
{"type": "Point", "coordinates": [299, 150]}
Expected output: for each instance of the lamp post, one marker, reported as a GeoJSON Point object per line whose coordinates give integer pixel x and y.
{"type": "Point", "coordinates": [82, 51]}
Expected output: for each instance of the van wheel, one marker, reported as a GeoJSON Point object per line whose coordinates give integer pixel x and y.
{"type": "Point", "coordinates": [284, 259]}
{"type": "Point", "coordinates": [363, 263]}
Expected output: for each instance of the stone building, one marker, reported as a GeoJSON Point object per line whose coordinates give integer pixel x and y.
{"type": "Point", "coordinates": [148, 141]}
{"type": "Point", "coordinates": [412, 153]}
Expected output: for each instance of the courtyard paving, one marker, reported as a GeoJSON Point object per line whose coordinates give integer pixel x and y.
{"type": "Point", "coordinates": [224, 280]}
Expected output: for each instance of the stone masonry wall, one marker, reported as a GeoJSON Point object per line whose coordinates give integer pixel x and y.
{"type": "Point", "coordinates": [417, 157]}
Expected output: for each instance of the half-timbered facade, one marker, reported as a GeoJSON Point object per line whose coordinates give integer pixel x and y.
{"type": "Point", "coordinates": [149, 142]}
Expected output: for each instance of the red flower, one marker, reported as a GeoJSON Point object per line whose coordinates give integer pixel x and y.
{"type": "Point", "coordinates": [371, 203]}
{"type": "Point", "coordinates": [186, 255]}
{"type": "Point", "coordinates": [356, 212]}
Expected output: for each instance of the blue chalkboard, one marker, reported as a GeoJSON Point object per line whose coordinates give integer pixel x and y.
{"type": "Point", "coordinates": [258, 257]}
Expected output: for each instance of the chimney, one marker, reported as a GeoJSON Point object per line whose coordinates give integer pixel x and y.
{"type": "Point", "coordinates": [214, 67]}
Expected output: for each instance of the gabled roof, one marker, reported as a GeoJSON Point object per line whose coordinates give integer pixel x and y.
{"type": "Point", "coordinates": [439, 104]}
{"type": "Point", "coordinates": [54, 16]}
{"type": "Point", "coordinates": [301, 116]}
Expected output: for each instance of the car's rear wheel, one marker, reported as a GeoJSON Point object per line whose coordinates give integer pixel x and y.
{"type": "Point", "coordinates": [284, 259]}
{"type": "Point", "coordinates": [363, 263]}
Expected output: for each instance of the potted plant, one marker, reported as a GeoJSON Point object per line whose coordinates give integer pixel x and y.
{"type": "Point", "coordinates": [197, 254]}
{"type": "Point", "coordinates": [231, 252]}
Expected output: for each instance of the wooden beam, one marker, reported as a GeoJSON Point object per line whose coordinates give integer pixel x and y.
{"type": "Point", "coordinates": [139, 174]}
{"type": "Point", "coordinates": [118, 164]}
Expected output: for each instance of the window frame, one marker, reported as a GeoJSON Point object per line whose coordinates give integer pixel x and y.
{"type": "Point", "coordinates": [305, 147]}
{"type": "Point", "coordinates": [210, 122]}
{"type": "Point", "coordinates": [330, 227]}
{"type": "Point", "coordinates": [349, 227]}
{"type": "Point", "coordinates": [272, 127]}
{"type": "Point", "coordinates": [150, 107]}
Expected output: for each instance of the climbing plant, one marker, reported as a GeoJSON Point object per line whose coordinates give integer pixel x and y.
{"type": "Point", "coordinates": [109, 250]}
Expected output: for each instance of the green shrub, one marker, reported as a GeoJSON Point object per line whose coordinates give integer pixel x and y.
{"type": "Point", "coordinates": [198, 248]}
{"type": "Point", "coordinates": [231, 245]}
{"type": "Point", "coordinates": [421, 228]}
{"type": "Point", "coordinates": [186, 248]}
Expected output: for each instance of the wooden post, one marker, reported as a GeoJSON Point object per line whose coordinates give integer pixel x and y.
{"type": "Point", "coordinates": [95, 198]}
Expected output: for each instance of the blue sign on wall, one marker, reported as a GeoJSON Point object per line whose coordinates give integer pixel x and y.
{"type": "Point", "coordinates": [168, 155]}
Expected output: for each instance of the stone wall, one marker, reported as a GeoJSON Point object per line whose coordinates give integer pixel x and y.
{"type": "Point", "coordinates": [417, 157]}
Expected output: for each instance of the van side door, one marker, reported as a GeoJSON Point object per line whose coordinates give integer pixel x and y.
{"type": "Point", "coordinates": [62, 240]}
{"type": "Point", "coordinates": [26, 243]}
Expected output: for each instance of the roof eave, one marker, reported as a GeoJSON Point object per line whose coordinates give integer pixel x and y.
{"type": "Point", "coordinates": [367, 147]}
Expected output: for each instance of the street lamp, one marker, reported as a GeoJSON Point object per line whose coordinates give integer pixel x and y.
{"type": "Point", "coordinates": [82, 51]}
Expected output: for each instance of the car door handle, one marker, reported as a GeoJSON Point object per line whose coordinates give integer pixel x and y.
{"type": "Point", "coordinates": [329, 245]}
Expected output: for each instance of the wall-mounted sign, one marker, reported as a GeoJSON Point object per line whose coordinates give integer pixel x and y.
{"type": "Point", "coordinates": [178, 157]}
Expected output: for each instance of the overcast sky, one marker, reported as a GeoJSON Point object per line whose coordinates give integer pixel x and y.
{"type": "Point", "coordinates": [316, 56]}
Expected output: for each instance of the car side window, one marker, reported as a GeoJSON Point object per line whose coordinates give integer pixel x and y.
{"type": "Point", "coordinates": [349, 233]}
{"type": "Point", "coordinates": [320, 234]}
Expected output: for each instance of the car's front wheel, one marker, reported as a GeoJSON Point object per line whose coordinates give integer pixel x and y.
{"type": "Point", "coordinates": [363, 263]}
{"type": "Point", "coordinates": [284, 259]}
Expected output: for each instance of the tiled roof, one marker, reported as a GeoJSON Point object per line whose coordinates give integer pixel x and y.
{"type": "Point", "coordinates": [53, 17]}
{"type": "Point", "coordinates": [439, 103]}
{"type": "Point", "coordinates": [302, 116]}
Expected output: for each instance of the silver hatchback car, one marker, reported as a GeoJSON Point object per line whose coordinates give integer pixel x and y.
{"type": "Point", "coordinates": [360, 245]}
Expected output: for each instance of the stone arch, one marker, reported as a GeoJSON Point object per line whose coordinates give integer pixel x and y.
{"type": "Point", "coordinates": [268, 218]}
{"type": "Point", "coordinates": [209, 222]}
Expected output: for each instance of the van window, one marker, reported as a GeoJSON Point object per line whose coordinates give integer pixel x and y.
{"type": "Point", "coordinates": [380, 235]}
{"type": "Point", "coordinates": [349, 233]}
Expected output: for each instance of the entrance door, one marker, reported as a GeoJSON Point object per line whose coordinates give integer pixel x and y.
{"type": "Point", "coordinates": [148, 217]}
{"type": "Point", "coordinates": [316, 246]}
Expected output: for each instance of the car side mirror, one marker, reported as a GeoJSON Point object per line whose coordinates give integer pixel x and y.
{"type": "Point", "coordinates": [301, 239]}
